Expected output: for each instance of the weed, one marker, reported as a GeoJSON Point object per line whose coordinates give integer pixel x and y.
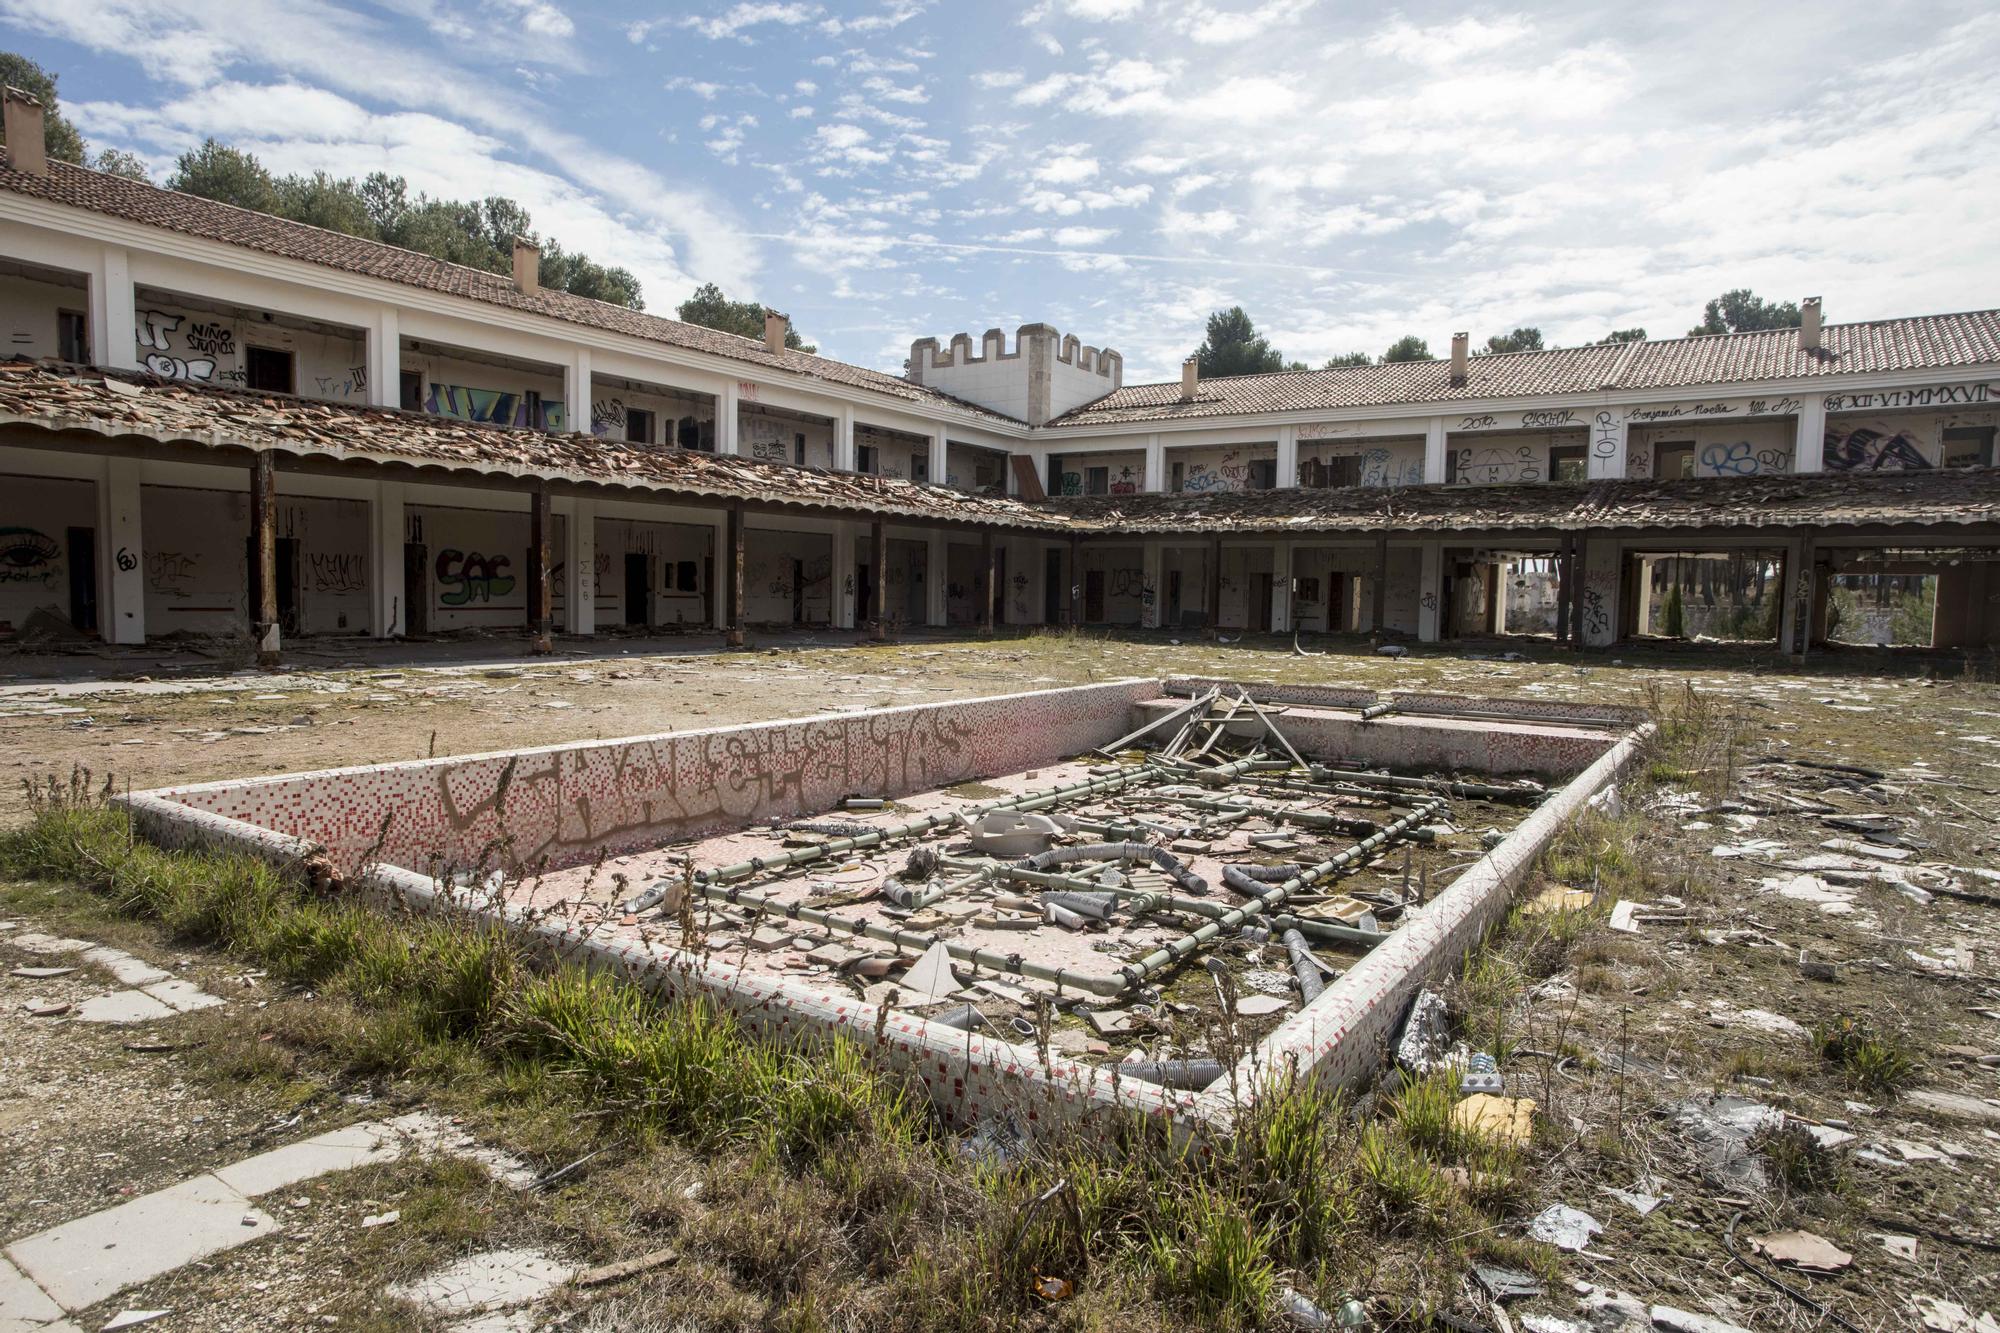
{"type": "Point", "coordinates": [1797, 1159]}
{"type": "Point", "coordinates": [1871, 1060]}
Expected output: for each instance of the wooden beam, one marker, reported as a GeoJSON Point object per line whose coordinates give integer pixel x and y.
{"type": "Point", "coordinates": [264, 557]}
{"type": "Point", "coordinates": [1802, 599]}
{"type": "Point", "coordinates": [1074, 614]}
{"type": "Point", "coordinates": [540, 612]}
{"type": "Point", "coordinates": [1214, 573]}
{"type": "Point", "coordinates": [879, 534]}
{"type": "Point", "coordinates": [990, 562]}
{"type": "Point", "coordinates": [733, 573]}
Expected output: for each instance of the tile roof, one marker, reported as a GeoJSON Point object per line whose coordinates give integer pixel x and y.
{"type": "Point", "coordinates": [1939, 342]}
{"type": "Point", "coordinates": [68, 400]}
{"type": "Point", "coordinates": [1959, 497]}
{"type": "Point", "coordinates": [191, 215]}
{"type": "Point", "coordinates": [59, 398]}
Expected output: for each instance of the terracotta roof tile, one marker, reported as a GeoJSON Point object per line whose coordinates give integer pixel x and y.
{"type": "Point", "coordinates": [191, 215]}
{"type": "Point", "coordinates": [114, 404]}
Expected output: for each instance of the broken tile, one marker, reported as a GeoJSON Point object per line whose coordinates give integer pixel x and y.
{"type": "Point", "coordinates": [1803, 1250]}
{"type": "Point", "coordinates": [181, 996]}
{"type": "Point", "coordinates": [123, 1006]}
{"type": "Point", "coordinates": [478, 1283]}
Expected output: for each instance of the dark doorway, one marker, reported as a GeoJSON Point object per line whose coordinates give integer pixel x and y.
{"type": "Point", "coordinates": [1171, 616]}
{"type": "Point", "coordinates": [83, 579]}
{"type": "Point", "coordinates": [416, 589]}
{"type": "Point", "coordinates": [798, 592]}
{"type": "Point", "coordinates": [1000, 588]}
{"type": "Point", "coordinates": [864, 594]}
{"type": "Point", "coordinates": [1093, 597]}
{"type": "Point", "coordinates": [268, 369]}
{"type": "Point", "coordinates": [708, 591]}
{"type": "Point", "coordinates": [410, 390]}
{"type": "Point", "coordinates": [1055, 609]}
{"type": "Point", "coordinates": [638, 587]}
{"type": "Point", "coordinates": [1259, 616]}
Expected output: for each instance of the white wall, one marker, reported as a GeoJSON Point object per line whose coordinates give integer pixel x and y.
{"type": "Point", "coordinates": [676, 556]}
{"type": "Point", "coordinates": [775, 440]}
{"type": "Point", "coordinates": [769, 575]}
{"type": "Point", "coordinates": [1400, 608]}
{"type": "Point", "coordinates": [28, 315]}
{"type": "Point", "coordinates": [476, 566]}
{"type": "Point", "coordinates": [1721, 449]}
{"type": "Point", "coordinates": [177, 343]}
{"type": "Point", "coordinates": [35, 515]}
{"type": "Point", "coordinates": [496, 393]}
{"type": "Point", "coordinates": [1125, 472]}
{"type": "Point", "coordinates": [609, 408]}
{"type": "Point", "coordinates": [1384, 462]}
{"type": "Point", "coordinates": [970, 469]}
{"type": "Point", "coordinates": [1518, 456]}
{"type": "Point", "coordinates": [1216, 467]}
{"type": "Point", "coordinates": [1893, 441]}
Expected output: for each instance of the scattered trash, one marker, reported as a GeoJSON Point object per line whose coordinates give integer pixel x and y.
{"type": "Point", "coordinates": [1566, 1228]}
{"type": "Point", "coordinates": [930, 977]}
{"type": "Point", "coordinates": [1943, 1316]}
{"type": "Point", "coordinates": [1720, 1131]}
{"type": "Point", "coordinates": [1506, 1284]}
{"type": "Point", "coordinates": [1480, 1075]}
{"type": "Point", "coordinates": [1638, 1201]}
{"type": "Point", "coordinates": [624, 1268]}
{"type": "Point", "coordinates": [1816, 969]}
{"type": "Point", "coordinates": [1424, 1042]}
{"type": "Point", "coordinates": [1802, 1250]}
{"type": "Point", "coordinates": [381, 1219]}
{"type": "Point", "coordinates": [1557, 898]}
{"type": "Point", "coordinates": [1903, 1247]}
{"type": "Point", "coordinates": [1509, 1120]}
{"type": "Point", "coordinates": [134, 1318]}
{"type": "Point", "coordinates": [41, 973]}
{"type": "Point", "coordinates": [1054, 1288]}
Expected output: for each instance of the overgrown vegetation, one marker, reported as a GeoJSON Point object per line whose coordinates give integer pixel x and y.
{"type": "Point", "coordinates": [1079, 1231]}
{"type": "Point", "coordinates": [1871, 1059]}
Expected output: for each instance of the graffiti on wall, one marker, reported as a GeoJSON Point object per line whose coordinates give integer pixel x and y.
{"type": "Point", "coordinates": [768, 451]}
{"type": "Point", "coordinates": [349, 385]}
{"type": "Point", "coordinates": [1227, 475]}
{"type": "Point", "coordinates": [169, 572]}
{"type": "Point", "coordinates": [152, 328]}
{"type": "Point", "coordinates": [1740, 458]}
{"type": "Point", "coordinates": [1491, 467]}
{"type": "Point", "coordinates": [28, 556]}
{"type": "Point", "coordinates": [607, 415]}
{"type": "Point", "coordinates": [464, 579]}
{"type": "Point", "coordinates": [1942, 395]}
{"type": "Point", "coordinates": [1872, 448]}
{"type": "Point", "coordinates": [335, 572]}
{"type": "Point", "coordinates": [211, 339]}
{"type": "Point", "coordinates": [492, 406]}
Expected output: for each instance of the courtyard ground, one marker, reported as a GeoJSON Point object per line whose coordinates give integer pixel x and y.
{"type": "Point", "coordinates": [1778, 1036]}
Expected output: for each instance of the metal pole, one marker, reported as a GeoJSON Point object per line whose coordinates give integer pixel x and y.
{"type": "Point", "coordinates": [989, 557]}
{"type": "Point", "coordinates": [880, 629]}
{"type": "Point", "coordinates": [1075, 613]}
{"type": "Point", "coordinates": [539, 523]}
{"type": "Point", "coordinates": [733, 613]}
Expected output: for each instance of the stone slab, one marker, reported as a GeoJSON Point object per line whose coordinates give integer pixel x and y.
{"type": "Point", "coordinates": [182, 996]}
{"type": "Point", "coordinates": [82, 1262]}
{"type": "Point", "coordinates": [123, 1006]}
{"type": "Point", "coordinates": [337, 1150]}
{"type": "Point", "coordinates": [128, 970]}
{"type": "Point", "coordinates": [22, 1303]}
{"type": "Point", "coordinates": [36, 942]}
{"type": "Point", "coordinates": [498, 1280]}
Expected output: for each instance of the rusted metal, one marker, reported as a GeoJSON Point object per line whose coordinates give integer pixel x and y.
{"type": "Point", "coordinates": [540, 521]}
{"type": "Point", "coordinates": [879, 573]}
{"type": "Point", "coordinates": [264, 557]}
{"type": "Point", "coordinates": [989, 558]}
{"type": "Point", "coordinates": [733, 579]}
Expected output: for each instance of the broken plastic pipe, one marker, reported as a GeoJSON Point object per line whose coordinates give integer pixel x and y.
{"type": "Point", "coordinates": [1303, 965]}
{"type": "Point", "coordinates": [1172, 1073]}
{"type": "Point", "coordinates": [1119, 851]}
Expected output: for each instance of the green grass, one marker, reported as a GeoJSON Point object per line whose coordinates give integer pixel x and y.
{"type": "Point", "coordinates": [1871, 1060]}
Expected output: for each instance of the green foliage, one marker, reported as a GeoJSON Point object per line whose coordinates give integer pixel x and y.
{"type": "Point", "coordinates": [1234, 347]}
{"type": "Point", "coordinates": [118, 162]}
{"type": "Point", "coordinates": [1634, 335]}
{"type": "Point", "coordinates": [1524, 339]}
{"type": "Point", "coordinates": [1673, 616]}
{"type": "Point", "coordinates": [1409, 347]}
{"type": "Point", "coordinates": [60, 139]}
{"type": "Point", "coordinates": [1872, 1060]}
{"type": "Point", "coordinates": [711, 309]}
{"type": "Point", "coordinates": [380, 207]}
{"type": "Point", "coordinates": [1347, 359]}
{"type": "Point", "coordinates": [1743, 311]}
{"type": "Point", "coordinates": [1211, 1260]}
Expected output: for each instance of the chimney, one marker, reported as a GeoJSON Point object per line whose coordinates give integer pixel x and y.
{"type": "Point", "coordinates": [23, 124]}
{"type": "Point", "coordinates": [776, 326]}
{"type": "Point", "coordinates": [1809, 324]}
{"type": "Point", "coordinates": [1461, 351]}
{"type": "Point", "coordinates": [527, 266]}
{"type": "Point", "coordinates": [1190, 377]}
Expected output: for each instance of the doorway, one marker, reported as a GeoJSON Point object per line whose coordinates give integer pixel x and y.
{"type": "Point", "coordinates": [83, 579]}
{"type": "Point", "coordinates": [638, 587]}
{"type": "Point", "coordinates": [864, 594]}
{"type": "Point", "coordinates": [416, 589]}
{"type": "Point", "coordinates": [1171, 616]}
{"type": "Point", "coordinates": [1053, 603]}
{"type": "Point", "coordinates": [288, 582]}
{"type": "Point", "coordinates": [1093, 597]}
{"type": "Point", "coordinates": [268, 369]}
{"type": "Point", "coordinates": [798, 592]}
{"type": "Point", "coordinates": [1259, 617]}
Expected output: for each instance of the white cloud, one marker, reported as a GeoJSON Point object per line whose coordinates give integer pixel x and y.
{"type": "Point", "coordinates": [1067, 168]}
{"type": "Point", "coordinates": [1450, 44]}
{"type": "Point", "coordinates": [742, 18]}
{"type": "Point", "coordinates": [1082, 235]}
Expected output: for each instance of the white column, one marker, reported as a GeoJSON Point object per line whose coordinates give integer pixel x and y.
{"type": "Point", "coordinates": [580, 567]}
{"type": "Point", "coordinates": [1281, 585]}
{"type": "Point", "coordinates": [1430, 592]}
{"type": "Point", "coordinates": [1809, 450]}
{"type": "Point", "coordinates": [1288, 457]}
{"type": "Point", "coordinates": [719, 562]}
{"type": "Point", "coordinates": [121, 553]}
{"type": "Point", "coordinates": [843, 440]}
{"type": "Point", "coordinates": [1644, 617]}
{"type": "Point", "coordinates": [940, 463]}
{"type": "Point", "coordinates": [1504, 571]}
{"type": "Point", "coordinates": [576, 395]}
{"type": "Point", "coordinates": [725, 421]}
{"type": "Point", "coordinates": [934, 580]}
{"type": "Point", "coordinates": [386, 536]}
{"type": "Point", "coordinates": [843, 576]}
{"type": "Point", "coordinates": [114, 337]}
{"type": "Point", "coordinates": [1434, 451]}
{"type": "Point", "coordinates": [1607, 444]}
{"type": "Point", "coordinates": [1156, 465]}
{"type": "Point", "coordinates": [1150, 584]}
{"type": "Point", "coordinates": [385, 366]}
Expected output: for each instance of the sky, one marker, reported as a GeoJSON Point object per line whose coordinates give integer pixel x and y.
{"type": "Point", "coordinates": [886, 170]}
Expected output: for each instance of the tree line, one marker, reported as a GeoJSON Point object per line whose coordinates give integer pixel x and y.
{"type": "Point", "coordinates": [478, 233]}
{"type": "Point", "coordinates": [1232, 345]}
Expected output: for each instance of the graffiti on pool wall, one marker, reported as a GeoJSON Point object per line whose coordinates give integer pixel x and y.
{"type": "Point", "coordinates": [1867, 449]}
{"type": "Point", "coordinates": [464, 579]}
{"type": "Point", "coordinates": [28, 556]}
